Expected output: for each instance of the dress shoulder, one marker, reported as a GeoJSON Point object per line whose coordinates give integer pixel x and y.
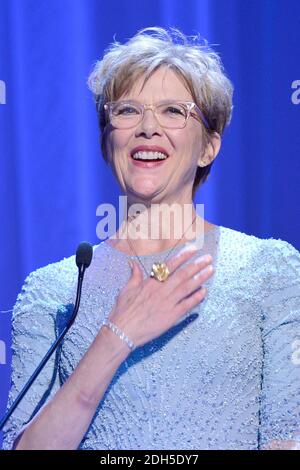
{"type": "Point", "coordinates": [280, 270]}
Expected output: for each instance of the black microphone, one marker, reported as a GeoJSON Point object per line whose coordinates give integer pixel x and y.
{"type": "Point", "coordinates": [84, 256]}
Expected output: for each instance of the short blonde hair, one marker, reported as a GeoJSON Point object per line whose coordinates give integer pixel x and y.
{"type": "Point", "coordinates": [196, 64]}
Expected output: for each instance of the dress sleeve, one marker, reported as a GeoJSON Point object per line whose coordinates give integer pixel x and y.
{"type": "Point", "coordinates": [280, 391]}
{"type": "Point", "coordinates": [33, 332]}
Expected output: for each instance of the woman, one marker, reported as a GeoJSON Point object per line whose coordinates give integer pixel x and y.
{"type": "Point", "coordinates": [196, 347]}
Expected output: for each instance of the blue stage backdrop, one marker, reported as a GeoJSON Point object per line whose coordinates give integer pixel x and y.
{"type": "Point", "coordinates": [52, 173]}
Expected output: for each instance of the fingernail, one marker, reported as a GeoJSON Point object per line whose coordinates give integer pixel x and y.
{"type": "Point", "coordinates": [208, 270]}
{"type": "Point", "coordinates": [203, 259]}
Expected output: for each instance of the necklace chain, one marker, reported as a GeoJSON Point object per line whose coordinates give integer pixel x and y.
{"type": "Point", "coordinates": [169, 251]}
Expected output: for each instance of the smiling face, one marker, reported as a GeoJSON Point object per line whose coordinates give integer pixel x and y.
{"type": "Point", "coordinates": [171, 180]}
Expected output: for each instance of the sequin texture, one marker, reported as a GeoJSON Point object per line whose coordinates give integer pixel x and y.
{"type": "Point", "coordinates": [222, 378]}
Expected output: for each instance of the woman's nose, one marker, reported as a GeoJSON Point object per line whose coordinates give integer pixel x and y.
{"type": "Point", "coordinates": [149, 124]}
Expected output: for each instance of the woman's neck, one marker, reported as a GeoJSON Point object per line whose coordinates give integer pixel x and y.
{"type": "Point", "coordinates": [158, 229]}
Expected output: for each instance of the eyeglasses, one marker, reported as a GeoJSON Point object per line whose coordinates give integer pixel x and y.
{"type": "Point", "coordinates": [169, 114]}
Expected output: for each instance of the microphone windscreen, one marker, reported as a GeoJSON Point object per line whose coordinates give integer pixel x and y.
{"type": "Point", "coordinates": [84, 254]}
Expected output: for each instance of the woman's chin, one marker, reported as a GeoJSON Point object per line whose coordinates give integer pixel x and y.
{"type": "Point", "coordinates": [146, 192]}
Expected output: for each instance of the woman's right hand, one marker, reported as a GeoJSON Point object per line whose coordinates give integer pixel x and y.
{"type": "Point", "coordinates": [145, 309]}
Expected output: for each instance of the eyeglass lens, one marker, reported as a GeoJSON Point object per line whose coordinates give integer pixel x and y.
{"type": "Point", "coordinates": [125, 115]}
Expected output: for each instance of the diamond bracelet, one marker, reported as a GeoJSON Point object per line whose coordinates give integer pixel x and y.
{"type": "Point", "coordinates": [119, 333]}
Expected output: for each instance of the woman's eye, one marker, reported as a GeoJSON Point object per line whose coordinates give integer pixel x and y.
{"type": "Point", "coordinates": [174, 110]}
{"type": "Point", "coordinates": [126, 110]}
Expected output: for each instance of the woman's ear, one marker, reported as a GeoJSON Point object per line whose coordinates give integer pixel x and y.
{"type": "Point", "coordinates": [212, 147]}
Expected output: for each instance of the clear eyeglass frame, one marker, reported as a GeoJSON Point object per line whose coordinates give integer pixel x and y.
{"type": "Point", "coordinates": [189, 107]}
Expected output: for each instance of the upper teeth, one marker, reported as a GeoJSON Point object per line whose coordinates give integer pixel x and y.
{"type": "Point", "coordinates": [149, 156]}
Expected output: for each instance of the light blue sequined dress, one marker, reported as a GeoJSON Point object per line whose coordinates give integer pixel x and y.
{"type": "Point", "coordinates": [225, 377]}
